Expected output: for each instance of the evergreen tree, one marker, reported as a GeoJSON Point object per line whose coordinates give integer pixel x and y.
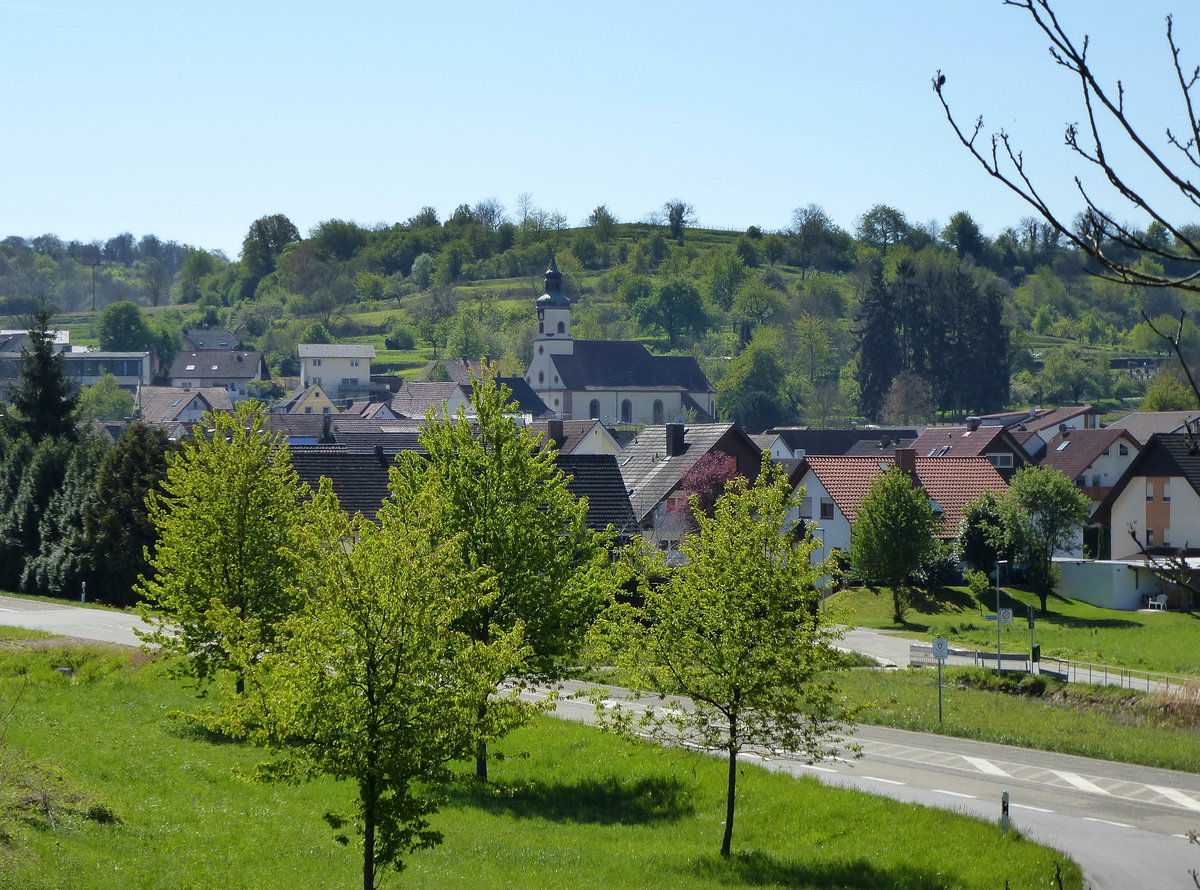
{"type": "Point", "coordinates": [42, 403]}
{"type": "Point", "coordinates": [879, 358]}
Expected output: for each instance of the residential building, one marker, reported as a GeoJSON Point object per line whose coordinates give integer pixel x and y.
{"type": "Point", "coordinates": [343, 370]}
{"type": "Point", "coordinates": [1094, 459]}
{"type": "Point", "coordinates": [171, 405]}
{"type": "Point", "coordinates": [229, 369]}
{"type": "Point", "coordinates": [994, 442]}
{"type": "Point", "coordinates": [307, 400]}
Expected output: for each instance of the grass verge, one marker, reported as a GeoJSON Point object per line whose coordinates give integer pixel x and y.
{"type": "Point", "coordinates": [137, 799]}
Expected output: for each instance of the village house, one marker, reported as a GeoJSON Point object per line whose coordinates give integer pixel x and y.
{"type": "Point", "coordinates": [229, 369]}
{"type": "Point", "coordinates": [342, 370]}
{"type": "Point", "coordinates": [993, 442]}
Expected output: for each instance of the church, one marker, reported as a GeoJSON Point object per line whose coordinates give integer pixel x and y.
{"type": "Point", "coordinates": [613, 381]}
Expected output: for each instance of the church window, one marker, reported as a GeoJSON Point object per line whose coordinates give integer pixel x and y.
{"type": "Point", "coordinates": [541, 349]}
{"type": "Point", "coordinates": [541, 376]}
{"type": "Point", "coordinates": [658, 411]}
{"type": "Point", "coordinates": [562, 328]}
{"type": "Point", "coordinates": [541, 327]}
{"type": "Point", "coordinates": [626, 411]}
{"type": "Point", "coordinates": [594, 409]}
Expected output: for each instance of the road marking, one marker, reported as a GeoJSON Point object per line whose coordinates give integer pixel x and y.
{"type": "Point", "coordinates": [985, 766]}
{"type": "Point", "coordinates": [1106, 822]}
{"type": "Point", "coordinates": [1176, 795]}
{"type": "Point", "coordinates": [1079, 782]}
{"type": "Point", "coordinates": [816, 769]}
{"type": "Point", "coordinates": [955, 794]}
{"type": "Point", "coordinates": [1025, 806]}
{"type": "Point", "coordinates": [885, 781]}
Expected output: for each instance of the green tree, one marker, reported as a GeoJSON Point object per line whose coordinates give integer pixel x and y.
{"type": "Point", "coordinates": [725, 274]}
{"type": "Point", "coordinates": [1044, 513]}
{"type": "Point", "coordinates": [264, 242]}
{"type": "Point", "coordinates": [104, 400]}
{"type": "Point", "coordinates": [117, 525]}
{"type": "Point", "coordinates": [42, 402]}
{"type": "Point", "coordinates": [754, 305]}
{"type": "Point", "coordinates": [374, 681]}
{"type": "Point", "coordinates": [679, 214]}
{"type": "Point", "coordinates": [751, 391]}
{"type": "Point", "coordinates": [882, 227]}
{"type": "Point", "coordinates": [909, 400]}
{"type": "Point", "coordinates": [892, 536]}
{"type": "Point", "coordinates": [123, 328]}
{"type": "Point", "coordinates": [981, 538]}
{"type": "Point", "coordinates": [1168, 391]}
{"type": "Point", "coordinates": [226, 516]}
{"type": "Point", "coordinates": [737, 629]}
{"type": "Point", "coordinates": [675, 307]}
{"type": "Point", "coordinates": [509, 506]}
{"type": "Point", "coordinates": [603, 223]}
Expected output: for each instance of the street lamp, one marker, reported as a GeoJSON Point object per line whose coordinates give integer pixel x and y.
{"type": "Point", "coordinates": [999, 562]}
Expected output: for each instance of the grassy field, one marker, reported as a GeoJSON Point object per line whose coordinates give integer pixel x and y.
{"type": "Point", "coordinates": [1162, 642]}
{"type": "Point", "coordinates": [100, 788]}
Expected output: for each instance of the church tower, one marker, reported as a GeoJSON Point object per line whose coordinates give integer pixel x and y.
{"type": "Point", "coordinates": [554, 317]}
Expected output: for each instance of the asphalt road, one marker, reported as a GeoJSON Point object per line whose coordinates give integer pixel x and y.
{"type": "Point", "coordinates": [1126, 825]}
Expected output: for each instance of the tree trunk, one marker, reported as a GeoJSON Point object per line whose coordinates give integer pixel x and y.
{"type": "Point", "coordinates": [481, 767]}
{"type": "Point", "coordinates": [730, 791]}
{"type": "Point", "coordinates": [369, 796]}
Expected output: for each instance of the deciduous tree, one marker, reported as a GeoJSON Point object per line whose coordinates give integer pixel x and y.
{"type": "Point", "coordinates": [738, 633]}
{"type": "Point", "coordinates": [376, 680]}
{"type": "Point", "coordinates": [892, 536]}
{"type": "Point", "coordinates": [508, 505]}
{"type": "Point", "coordinates": [226, 515]}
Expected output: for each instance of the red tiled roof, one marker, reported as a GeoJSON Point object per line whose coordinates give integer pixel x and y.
{"type": "Point", "coordinates": [1076, 450]}
{"type": "Point", "coordinates": [961, 441]}
{"type": "Point", "coordinates": [952, 482]}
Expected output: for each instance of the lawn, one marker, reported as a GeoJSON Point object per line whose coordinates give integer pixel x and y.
{"type": "Point", "coordinates": [1162, 642]}
{"type": "Point", "coordinates": [100, 788]}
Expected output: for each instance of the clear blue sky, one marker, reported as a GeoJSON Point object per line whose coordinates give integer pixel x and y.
{"type": "Point", "coordinates": [190, 120]}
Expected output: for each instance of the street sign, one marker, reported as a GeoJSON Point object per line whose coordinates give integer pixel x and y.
{"type": "Point", "coordinates": [941, 648]}
{"type": "Point", "coordinates": [1006, 616]}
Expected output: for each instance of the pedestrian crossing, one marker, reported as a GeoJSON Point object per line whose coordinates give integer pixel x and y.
{"type": "Point", "coordinates": [1186, 799]}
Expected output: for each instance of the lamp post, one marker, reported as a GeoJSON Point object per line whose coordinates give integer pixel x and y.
{"type": "Point", "coordinates": [999, 562]}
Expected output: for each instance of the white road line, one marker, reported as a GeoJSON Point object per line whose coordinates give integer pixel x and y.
{"type": "Point", "coordinates": [985, 766]}
{"type": "Point", "coordinates": [1106, 822]}
{"type": "Point", "coordinates": [816, 769]}
{"type": "Point", "coordinates": [1176, 795]}
{"type": "Point", "coordinates": [1079, 782]}
{"type": "Point", "coordinates": [955, 793]}
{"type": "Point", "coordinates": [1025, 806]}
{"type": "Point", "coordinates": [885, 781]}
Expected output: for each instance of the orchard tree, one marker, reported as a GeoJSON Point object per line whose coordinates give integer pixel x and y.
{"type": "Point", "coordinates": [1044, 513]}
{"type": "Point", "coordinates": [376, 679]}
{"type": "Point", "coordinates": [892, 536]}
{"type": "Point", "coordinates": [226, 515]}
{"type": "Point", "coordinates": [508, 506]}
{"type": "Point", "coordinates": [603, 224]}
{"type": "Point", "coordinates": [737, 630]}
{"type": "Point", "coordinates": [680, 214]}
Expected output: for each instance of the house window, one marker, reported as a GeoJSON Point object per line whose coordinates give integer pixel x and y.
{"type": "Point", "coordinates": [354, 363]}
{"type": "Point", "coordinates": [316, 363]}
{"type": "Point", "coordinates": [1166, 537]}
{"type": "Point", "coordinates": [826, 508]}
{"type": "Point", "coordinates": [308, 409]}
{"type": "Point", "coordinates": [1081, 481]}
{"type": "Point", "coordinates": [1000, 461]}
{"type": "Point", "coordinates": [626, 411]}
{"type": "Point", "coordinates": [1149, 490]}
{"type": "Point", "coordinates": [1167, 492]}
{"type": "Point", "coordinates": [806, 508]}
{"type": "Point", "coordinates": [1149, 537]}
{"type": "Point", "coordinates": [349, 381]}
{"type": "Point", "coordinates": [327, 410]}
{"type": "Point", "coordinates": [594, 409]}
{"type": "Point", "coordinates": [1123, 450]}
{"type": "Point", "coordinates": [658, 411]}
{"type": "Point", "coordinates": [316, 380]}
{"type": "Point", "coordinates": [1096, 481]}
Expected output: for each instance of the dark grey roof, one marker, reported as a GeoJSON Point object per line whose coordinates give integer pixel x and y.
{"type": "Point", "coordinates": [886, 447]}
{"type": "Point", "coordinates": [1165, 454]}
{"type": "Point", "coordinates": [617, 364]}
{"type": "Point", "coordinates": [360, 480]}
{"type": "Point", "coordinates": [651, 474]}
{"type": "Point", "coordinates": [205, 363]}
{"type": "Point", "coordinates": [210, 338]}
{"type": "Point", "coordinates": [837, 441]}
{"type": "Point", "coordinates": [528, 401]}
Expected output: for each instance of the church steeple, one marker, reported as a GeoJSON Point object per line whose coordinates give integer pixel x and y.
{"type": "Point", "coordinates": [554, 315]}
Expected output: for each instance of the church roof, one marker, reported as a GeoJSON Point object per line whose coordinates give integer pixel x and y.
{"type": "Point", "coordinates": [618, 364]}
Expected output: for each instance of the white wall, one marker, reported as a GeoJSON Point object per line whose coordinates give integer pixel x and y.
{"type": "Point", "coordinates": [1109, 584]}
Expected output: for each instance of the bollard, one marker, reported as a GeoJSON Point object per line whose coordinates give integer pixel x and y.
{"type": "Point", "coordinates": [1004, 812]}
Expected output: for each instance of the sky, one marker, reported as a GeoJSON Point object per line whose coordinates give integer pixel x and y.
{"type": "Point", "coordinates": [190, 120]}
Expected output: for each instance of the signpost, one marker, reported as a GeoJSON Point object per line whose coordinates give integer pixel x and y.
{"type": "Point", "coordinates": [941, 651]}
{"type": "Point", "coordinates": [999, 615]}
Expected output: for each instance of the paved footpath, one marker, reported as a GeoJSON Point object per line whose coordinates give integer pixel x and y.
{"type": "Point", "coordinates": [103, 625]}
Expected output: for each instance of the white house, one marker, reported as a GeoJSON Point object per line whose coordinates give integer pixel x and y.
{"type": "Point", "coordinates": [342, 370]}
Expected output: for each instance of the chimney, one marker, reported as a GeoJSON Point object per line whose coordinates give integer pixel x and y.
{"type": "Point", "coordinates": [973, 423]}
{"type": "Point", "coordinates": [675, 439]}
{"type": "Point", "coordinates": [554, 432]}
{"type": "Point", "coordinates": [906, 460]}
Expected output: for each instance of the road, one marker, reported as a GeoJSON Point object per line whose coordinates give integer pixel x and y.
{"type": "Point", "coordinates": [1126, 825]}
